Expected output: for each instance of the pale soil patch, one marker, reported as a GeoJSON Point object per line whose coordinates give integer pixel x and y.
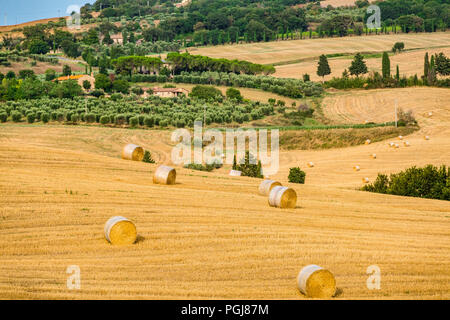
{"type": "Point", "coordinates": [279, 51]}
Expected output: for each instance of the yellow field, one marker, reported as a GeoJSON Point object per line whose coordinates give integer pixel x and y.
{"type": "Point", "coordinates": [211, 235]}
{"type": "Point", "coordinates": [280, 51]}
{"type": "Point", "coordinates": [409, 62]}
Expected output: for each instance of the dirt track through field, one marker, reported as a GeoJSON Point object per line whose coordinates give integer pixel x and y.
{"type": "Point", "coordinates": [211, 235]}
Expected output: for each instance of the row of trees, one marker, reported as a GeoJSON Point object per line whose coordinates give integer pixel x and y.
{"type": "Point", "coordinates": [196, 63]}
{"type": "Point", "coordinates": [154, 111]}
{"type": "Point", "coordinates": [439, 64]}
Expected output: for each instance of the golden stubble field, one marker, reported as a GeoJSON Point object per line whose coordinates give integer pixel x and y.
{"type": "Point", "coordinates": [211, 235]}
{"type": "Point", "coordinates": [291, 50]}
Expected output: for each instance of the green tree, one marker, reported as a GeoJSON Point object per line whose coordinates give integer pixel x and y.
{"type": "Point", "coordinates": [121, 86]}
{"type": "Point", "coordinates": [426, 68]}
{"type": "Point", "coordinates": [103, 82]}
{"type": "Point", "coordinates": [38, 46]}
{"type": "Point", "coordinates": [296, 175]}
{"type": "Point", "coordinates": [50, 74]}
{"type": "Point", "coordinates": [358, 65]}
{"type": "Point", "coordinates": [148, 157]}
{"type": "Point", "coordinates": [67, 70]}
{"type": "Point", "coordinates": [398, 46]}
{"type": "Point", "coordinates": [386, 65]}
{"type": "Point", "coordinates": [86, 84]}
{"type": "Point", "coordinates": [323, 68]}
{"type": "Point", "coordinates": [71, 49]}
{"type": "Point", "coordinates": [442, 64]}
{"type": "Point", "coordinates": [235, 94]}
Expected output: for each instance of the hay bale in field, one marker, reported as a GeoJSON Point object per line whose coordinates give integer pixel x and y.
{"type": "Point", "coordinates": [400, 137]}
{"type": "Point", "coordinates": [235, 173]}
{"type": "Point", "coordinates": [396, 146]}
{"type": "Point", "coordinates": [133, 152]}
{"type": "Point", "coordinates": [367, 141]}
{"type": "Point", "coordinates": [406, 143]}
{"type": "Point", "coordinates": [310, 164]}
{"type": "Point", "coordinates": [373, 155]}
{"type": "Point", "coordinates": [430, 113]}
{"type": "Point", "coordinates": [316, 282]}
{"type": "Point", "coordinates": [426, 137]}
{"type": "Point", "coordinates": [119, 230]}
{"type": "Point", "coordinates": [366, 180]}
{"type": "Point", "coordinates": [356, 168]}
{"type": "Point", "coordinates": [266, 186]}
{"type": "Point", "coordinates": [391, 144]}
{"type": "Point", "coordinates": [282, 197]}
{"type": "Point", "coordinates": [165, 175]}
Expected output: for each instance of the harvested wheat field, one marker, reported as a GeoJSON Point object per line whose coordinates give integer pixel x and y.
{"type": "Point", "coordinates": [292, 50]}
{"type": "Point", "coordinates": [211, 235]}
{"type": "Point", "coordinates": [409, 63]}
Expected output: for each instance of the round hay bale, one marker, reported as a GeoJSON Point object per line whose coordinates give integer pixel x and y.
{"type": "Point", "coordinates": [165, 175]}
{"type": "Point", "coordinates": [373, 155]}
{"type": "Point", "coordinates": [367, 141]}
{"type": "Point", "coordinates": [356, 168]}
{"type": "Point", "coordinates": [310, 164]}
{"type": "Point", "coordinates": [426, 137]}
{"type": "Point", "coordinates": [365, 180]}
{"type": "Point", "coordinates": [282, 197]}
{"type": "Point", "coordinates": [391, 144]}
{"type": "Point", "coordinates": [406, 143]}
{"type": "Point", "coordinates": [430, 113]}
{"type": "Point", "coordinates": [400, 137]}
{"type": "Point", "coordinates": [396, 145]}
{"type": "Point", "coordinates": [316, 282]}
{"type": "Point", "coordinates": [235, 173]}
{"type": "Point", "coordinates": [266, 186]}
{"type": "Point", "coordinates": [133, 152]}
{"type": "Point", "coordinates": [119, 230]}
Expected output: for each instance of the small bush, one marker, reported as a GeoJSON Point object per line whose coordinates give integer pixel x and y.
{"type": "Point", "coordinates": [90, 117]}
{"type": "Point", "coordinates": [31, 117]}
{"type": "Point", "coordinates": [148, 157]}
{"type": "Point", "coordinates": [249, 168]}
{"type": "Point", "coordinates": [296, 175]}
{"type": "Point", "coordinates": [105, 119]}
{"type": "Point", "coordinates": [74, 118]}
{"type": "Point", "coordinates": [206, 167]}
{"type": "Point", "coordinates": [163, 123]}
{"type": "Point", "coordinates": [149, 121]}
{"type": "Point", "coordinates": [97, 93]}
{"type": "Point", "coordinates": [134, 121]}
{"type": "Point", "coordinates": [120, 119]}
{"type": "Point", "coordinates": [3, 117]}
{"type": "Point", "coordinates": [16, 116]}
{"type": "Point", "coordinates": [116, 96]}
{"type": "Point", "coordinates": [45, 117]}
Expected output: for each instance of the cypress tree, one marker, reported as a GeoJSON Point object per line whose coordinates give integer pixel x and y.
{"type": "Point", "coordinates": [397, 74]}
{"type": "Point", "coordinates": [358, 65]}
{"type": "Point", "coordinates": [432, 71]}
{"type": "Point", "coordinates": [323, 68]}
{"type": "Point", "coordinates": [386, 66]}
{"type": "Point", "coordinates": [426, 68]}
